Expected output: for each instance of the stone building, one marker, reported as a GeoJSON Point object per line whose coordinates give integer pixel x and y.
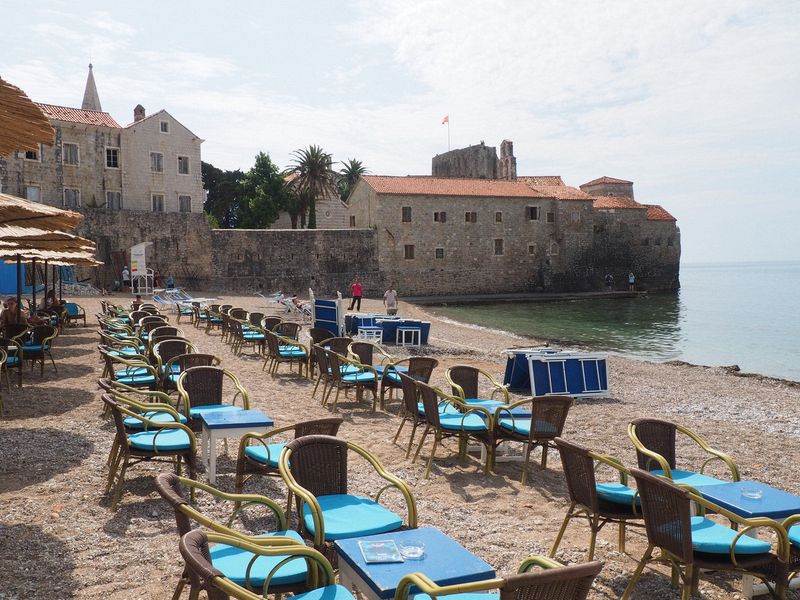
{"type": "Point", "coordinates": [331, 213]}
{"type": "Point", "coordinates": [153, 164]}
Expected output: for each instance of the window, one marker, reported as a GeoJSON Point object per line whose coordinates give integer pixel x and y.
{"type": "Point", "coordinates": [185, 203]}
{"type": "Point", "coordinates": [470, 217]}
{"type": "Point", "coordinates": [554, 249]}
{"type": "Point", "coordinates": [575, 216]}
{"type": "Point", "coordinates": [164, 126]}
{"type": "Point", "coordinates": [531, 248]}
{"type": "Point", "coordinates": [156, 162]}
{"type": "Point", "coordinates": [551, 217]}
{"type": "Point", "coordinates": [70, 154]}
{"type": "Point", "coordinates": [33, 154]}
{"type": "Point", "coordinates": [183, 165]}
{"type": "Point", "coordinates": [498, 217]}
{"type": "Point", "coordinates": [72, 198]}
{"type": "Point", "coordinates": [532, 213]}
{"type": "Point", "coordinates": [646, 242]}
{"type": "Point", "coordinates": [408, 251]}
{"type": "Point", "coordinates": [114, 200]}
{"type": "Point", "coordinates": [440, 217]}
{"type": "Point", "coordinates": [352, 220]}
{"type": "Point", "coordinates": [670, 241]}
{"type": "Point", "coordinates": [33, 193]}
{"type": "Point", "coordinates": [158, 202]}
{"type": "Point", "coordinates": [406, 214]}
{"type": "Point", "coordinates": [498, 247]}
{"type": "Point", "coordinates": [439, 253]}
{"type": "Point", "coordinates": [658, 241]}
{"type": "Point", "coordinates": [112, 158]}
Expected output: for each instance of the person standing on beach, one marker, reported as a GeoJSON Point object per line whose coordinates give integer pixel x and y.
{"type": "Point", "coordinates": [609, 282]}
{"type": "Point", "coordinates": [356, 290]}
{"type": "Point", "coordinates": [390, 300]}
{"type": "Point", "coordinates": [126, 277]}
{"type": "Point", "coordinates": [631, 281]}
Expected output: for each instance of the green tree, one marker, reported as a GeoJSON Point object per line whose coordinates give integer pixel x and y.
{"type": "Point", "coordinates": [314, 179]}
{"type": "Point", "coordinates": [265, 194]}
{"type": "Point", "coordinates": [223, 194]}
{"type": "Point", "coordinates": [348, 177]}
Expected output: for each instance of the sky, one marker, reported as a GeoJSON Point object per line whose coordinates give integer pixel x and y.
{"type": "Point", "coordinates": [697, 102]}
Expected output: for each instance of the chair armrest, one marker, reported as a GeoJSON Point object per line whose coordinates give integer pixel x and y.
{"type": "Point", "coordinates": [662, 462]}
{"type": "Point", "coordinates": [260, 437]}
{"type": "Point", "coordinates": [304, 495]}
{"type": "Point", "coordinates": [427, 586]}
{"type": "Point", "coordinates": [543, 562]}
{"type": "Point", "coordinates": [161, 427]}
{"type": "Point", "coordinates": [715, 454]}
{"type": "Point", "coordinates": [287, 341]}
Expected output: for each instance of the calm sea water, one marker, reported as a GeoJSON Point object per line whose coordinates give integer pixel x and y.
{"type": "Point", "coordinates": [724, 314]}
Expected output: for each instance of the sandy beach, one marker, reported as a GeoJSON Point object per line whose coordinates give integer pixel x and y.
{"type": "Point", "coordinates": [59, 538]}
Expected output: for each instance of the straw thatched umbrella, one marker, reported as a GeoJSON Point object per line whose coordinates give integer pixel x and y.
{"type": "Point", "coordinates": [23, 125]}
{"type": "Point", "coordinates": [24, 213]}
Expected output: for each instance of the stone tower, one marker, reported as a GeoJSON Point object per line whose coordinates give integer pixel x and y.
{"type": "Point", "coordinates": [507, 165]}
{"type": "Point", "coordinates": [91, 100]}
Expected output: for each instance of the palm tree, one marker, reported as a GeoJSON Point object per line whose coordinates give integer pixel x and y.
{"type": "Point", "coordinates": [314, 178]}
{"type": "Point", "coordinates": [348, 177]}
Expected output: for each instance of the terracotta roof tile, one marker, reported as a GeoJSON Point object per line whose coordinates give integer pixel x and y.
{"type": "Point", "coordinates": [562, 192]}
{"type": "Point", "coordinates": [77, 115]}
{"type": "Point", "coordinates": [605, 179]}
{"type": "Point", "coordinates": [615, 202]}
{"type": "Point", "coordinates": [445, 186]}
{"type": "Point", "coordinates": [658, 213]}
{"type": "Point", "coordinates": [537, 180]}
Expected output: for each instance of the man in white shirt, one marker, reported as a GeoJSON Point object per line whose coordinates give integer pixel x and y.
{"type": "Point", "coordinates": [126, 277]}
{"type": "Point", "coordinates": [390, 300]}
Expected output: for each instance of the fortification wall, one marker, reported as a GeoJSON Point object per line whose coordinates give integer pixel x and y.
{"type": "Point", "coordinates": [479, 162]}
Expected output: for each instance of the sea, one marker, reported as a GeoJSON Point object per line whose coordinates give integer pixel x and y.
{"type": "Point", "coordinates": [744, 314]}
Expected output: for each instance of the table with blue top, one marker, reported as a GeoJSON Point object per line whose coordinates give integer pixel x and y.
{"type": "Point", "coordinates": [222, 424]}
{"type": "Point", "coordinates": [445, 561]}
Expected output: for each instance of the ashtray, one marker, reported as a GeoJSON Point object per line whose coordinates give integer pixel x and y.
{"type": "Point", "coordinates": [752, 493]}
{"type": "Point", "coordinates": [412, 549]}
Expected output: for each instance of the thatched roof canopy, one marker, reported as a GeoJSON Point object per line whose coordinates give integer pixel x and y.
{"type": "Point", "coordinates": [23, 125]}
{"type": "Point", "coordinates": [31, 238]}
{"type": "Point", "coordinates": [24, 213]}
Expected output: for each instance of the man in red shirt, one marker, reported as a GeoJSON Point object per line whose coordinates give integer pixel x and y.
{"type": "Point", "coordinates": [356, 289]}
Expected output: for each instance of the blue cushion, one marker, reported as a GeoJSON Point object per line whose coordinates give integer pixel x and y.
{"type": "Point", "coordinates": [522, 426]}
{"type": "Point", "coordinates": [33, 348]}
{"type": "Point", "coordinates": [187, 311]}
{"type": "Point", "coordinates": [12, 360]}
{"type": "Point", "coordinates": [329, 592]}
{"type": "Point", "coordinates": [157, 416]}
{"type": "Point", "coordinates": [465, 596]}
{"type": "Point", "coordinates": [127, 351]}
{"type": "Point", "coordinates": [346, 516]}
{"type": "Point", "coordinates": [136, 379]}
{"type": "Point", "coordinates": [167, 440]}
{"type": "Point", "coordinates": [617, 493]}
{"type": "Point", "coordinates": [259, 452]}
{"type": "Point", "coordinates": [131, 372]}
{"type": "Point", "coordinates": [216, 320]}
{"type": "Point", "coordinates": [202, 317]}
{"type": "Point", "coordinates": [713, 538]}
{"type": "Point", "coordinates": [392, 377]}
{"type": "Point", "coordinates": [794, 535]}
{"type": "Point", "coordinates": [690, 478]}
{"type": "Point", "coordinates": [446, 408]}
{"type": "Point", "coordinates": [489, 405]}
{"type": "Point", "coordinates": [253, 335]}
{"type": "Point", "coordinates": [359, 377]}
{"type": "Point", "coordinates": [461, 422]}
{"type": "Point", "coordinates": [72, 309]}
{"type": "Point", "coordinates": [233, 562]}
{"type": "Point", "coordinates": [196, 411]}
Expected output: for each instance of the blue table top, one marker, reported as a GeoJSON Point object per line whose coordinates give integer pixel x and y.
{"type": "Point", "coordinates": [445, 561]}
{"type": "Point", "coordinates": [220, 419]}
{"type": "Point", "coordinates": [774, 503]}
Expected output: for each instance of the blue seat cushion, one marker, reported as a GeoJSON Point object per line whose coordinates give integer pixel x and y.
{"type": "Point", "coordinates": [392, 377]}
{"type": "Point", "coordinates": [259, 453]}
{"type": "Point", "coordinates": [33, 348]}
{"type": "Point", "coordinates": [461, 422]}
{"type": "Point", "coordinates": [794, 536]}
{"type": "Point", "coordinates": [233, 562]}
{"type": "Point", "coordinates": [329, 592]}
{"type": "Point", "coordinates": [465, 596]}
{"type": "Point", "coordinates": [346, 516]}
{"type": "Point", "coordinates": [153, 415]}
{"type": "Point", "coordinates": [690, 478]}
{"type": "Point", "coordinates": [131, 372]}
{"type": "Point", "coordinates": [713, 538]}
{"type": "Point", "coordinates": [202, 317]}
{"type": "Point", "coordinates": [196, 411]}
{"type": "Point", "coordinates": [136, 379]}
{"type": "Point", "coordinates": [12, 360]}
{"type": "Point", "coordinates": [446, 408]}
{"type": "Point", "coordinates": [289, 350]}
{"type": "Point", "coordinates": [127, 351]}
{"type": "Point", "coordinates": [364, 377]}
{"type": "Point", "coordinates": [617, 493]}
{"type": "Point", "coordinates": [187, 311]}
{"type": "Point", "coordinates": [253, 335]}
{"type": "Point", "coordinates": [216, 320]}
{"type": "Point", "coordinates": [165, 441]}
{"type": "Point", "coordinates": [522, 426]}
{"type": "Point", "coordinates": [489, 405]}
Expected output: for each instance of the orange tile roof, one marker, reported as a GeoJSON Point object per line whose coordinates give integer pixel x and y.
{"type": "Point", "coordinates": [615, 202]}
{"type": "Point", "coordinates": [562, 192]}
{"type": "Point", "coordinates": [605, 179]}
{"type": "Point", "coordinates": [537, 180]}
{"type": "Point", "coordinates": [658, 213]}
{"type": "Point", "coordinates": [77, 115]}
{"type": "Point", "coordinates": [413, 185]}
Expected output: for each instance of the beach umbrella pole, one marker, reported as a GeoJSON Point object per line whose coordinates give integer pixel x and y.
{"type": "Point", "coordinates": [19, 308]}
{"type": "Point", "coordinates": [45, 284]}
{"type": "Point", "coordinates": [33, 285]}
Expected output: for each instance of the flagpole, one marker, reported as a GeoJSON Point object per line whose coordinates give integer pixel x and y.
{"type": "Point", "coordinates": [448, 133]}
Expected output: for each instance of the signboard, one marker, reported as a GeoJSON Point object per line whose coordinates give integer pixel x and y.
{"type": "Point", "coordinates": [138, 260]}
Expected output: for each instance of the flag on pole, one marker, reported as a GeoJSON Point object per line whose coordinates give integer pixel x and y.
{"type": "Point", "coordinates": [446, 119]}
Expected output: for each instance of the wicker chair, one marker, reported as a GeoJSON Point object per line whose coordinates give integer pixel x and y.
{"type": "Point", "coordinates": [600, 504]}
{"type": "Point", "coordinates": [314, 468]}
{"type": "Point", "coordinates": [412, 409]}
{"type": "Point", "coordinates": [230, 560]}
{"type": "Point", "coordinates": [347, 374]}
{"type": "Point", "coordinates": [447, 417]}
{"type": "Point", "coordinates": [690, 544]}
{"type": "Point", "coordinates": [157, 441]}
{"type": "Point", "coordinates": [319, 335]}
{"type": "Point", "coordinates": [654, 440]}
{"type": "Point", "coordinates": [319, 359]}
{"type": "Point", "coordinates": [38, 344]}
{"type": "Point", "coordinates": [184, 310]}
{"type": "Point", "coordinates": [288, 329]}
{"type": "Point", "coordinates": [201, 572]}
{"type": "Point", "coordinates": [284, 350]}
{"type": "Point", "coordinates": [164, 351]}
{"type": "Point", "coordinates": [339, 345]}
{"type": "Point", "coordinates": [259, 454]}
{"type": "Point", "coordinates": [74, 312]}
{"type": "Point", "coordinates": [465, 382]}
{"type": "Point", "coordinates": [134, 371]}
{"type": "Point", "coordinates": [255, 318]}
{"type": "Point", "coordinates": [202, 389]}
{"type": "Point", "coordinates": [546, 423]}
{"type": "Point", "coordinates": [419, 368]}
{"type": "Point", "coordinates": [551, 581]}
{"type": "Point", "coordinates": [269, 323]}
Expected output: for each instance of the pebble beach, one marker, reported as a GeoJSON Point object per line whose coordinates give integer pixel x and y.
{"type": "Point", "coordinates": [60, 539]}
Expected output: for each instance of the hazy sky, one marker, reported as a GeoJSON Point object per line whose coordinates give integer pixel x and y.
{"type": "Point", "coordinates": [697, 102]}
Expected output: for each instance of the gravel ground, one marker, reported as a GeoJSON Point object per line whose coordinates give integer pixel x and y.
{"type": "Point", "coordinates": [59, 539]}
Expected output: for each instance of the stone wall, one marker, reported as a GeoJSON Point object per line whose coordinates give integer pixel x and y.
{"type": "Point", "coordinates": [479, 162]}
